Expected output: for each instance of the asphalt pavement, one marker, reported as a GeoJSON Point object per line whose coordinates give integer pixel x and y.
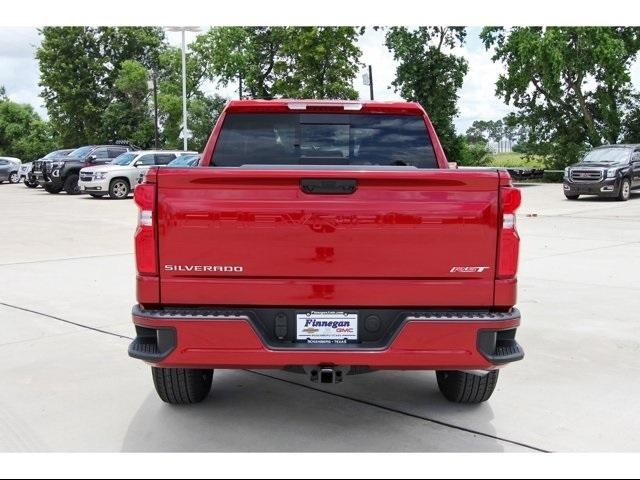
{"type": "Point", "coordinates": [67, 287]}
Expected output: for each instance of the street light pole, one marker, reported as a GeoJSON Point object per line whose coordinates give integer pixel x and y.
{"type": "Point", "coordinates": [153, 85]}
{"type": "Point", "coordinates": [184, 30]}
{"type": "Point", "coordinates": [184, 90]}
{"type": "Point", "coordinates": [371, 82]}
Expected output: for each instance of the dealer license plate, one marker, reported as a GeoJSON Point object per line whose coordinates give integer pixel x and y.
{"type": "Point", "coordinates": [327, 327]}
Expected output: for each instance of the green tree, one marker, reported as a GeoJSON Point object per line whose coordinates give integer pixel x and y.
{"type": "Point", "coordinates": [474, 154]}
{"type": "Point", "coordinates": [631, 126]}
{"type": "Point", "coordinates": [128, 115]}
{"type": "Point", "coordinates": [252, 53]}
{"type": "Point", "coordinates": [203, 113]}
{"type": "Point", "coordinates": [70, 71]}
{"type": "Point", "coordinates": [23, 133]}
{"type": "Point", "coordinates": [297, 62]}
{"type": "Point", "coordinates": [429, 72]}
{"type": "Point", "coordinates": [571, 85]}
{"type": "Point", "coordinates": [478, 132]}
{"type": "Point", "coordinates": [323, 62]}
{"type": "Point", "coordinates": [481, 131]}
{"type": "Point", "coordinates": [79, 68]}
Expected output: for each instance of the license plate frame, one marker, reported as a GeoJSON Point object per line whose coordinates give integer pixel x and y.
{"type": "Point", "coordinates": [327, 327]}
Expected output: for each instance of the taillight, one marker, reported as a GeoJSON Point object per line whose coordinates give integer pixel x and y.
{"type": "Point", "coordinates": [509, 246]}
{"type": "Point", "coordinates": [145, 237]}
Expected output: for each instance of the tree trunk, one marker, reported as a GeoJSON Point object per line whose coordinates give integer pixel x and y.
{"type": "Point", "coordinates": [594, 137]}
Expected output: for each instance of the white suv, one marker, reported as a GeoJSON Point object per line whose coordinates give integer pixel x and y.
{"type": "Point", "coordinates": [118, 178]}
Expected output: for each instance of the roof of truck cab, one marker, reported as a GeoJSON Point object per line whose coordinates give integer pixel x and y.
{"type": "Point", "coordinates": [308, 105]}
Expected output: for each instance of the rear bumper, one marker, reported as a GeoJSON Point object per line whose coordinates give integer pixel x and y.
{"type": "Point", "coordinates": [423, 340]}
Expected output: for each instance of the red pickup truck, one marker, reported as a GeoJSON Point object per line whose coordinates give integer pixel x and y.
{"type": "Point", "coordinates": [330, 239]}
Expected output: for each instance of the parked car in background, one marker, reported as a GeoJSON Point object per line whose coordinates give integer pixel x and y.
{"type": "Point", "coordinates": [9, 167]}
{"type": "Point", "coordinates": [608, 171]}
{"type": "Point", "coordinates": [185, 160]}
{"type": "Point", "coordinates": [119, 177]}
{"type": "Point", "coordinates": [26, 172]}
{"type": "Point", "coordinates": [63, 173]}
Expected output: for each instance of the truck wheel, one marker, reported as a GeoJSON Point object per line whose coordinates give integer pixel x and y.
{"type": "Point", "coordinates": [52, 189]}
{"type": "Point", "coordinates": [182, 386]}
{"type": "Point", "coordinates": [97, 195]}
{"type": "Point", "coordinates": [14, 177]}
{"type": "Point", "coordinates": [462, 387]}
{"type": "Point", "coordinates": [30, 184]}
{"type": "Point", "coordinates": [119, 189]}
{"type": "Point", "coordinates": [625, 190]}
{"type": "Point", "coordinates": [571, 197]}
{"type": "Point", "coordinates": [71, 185]}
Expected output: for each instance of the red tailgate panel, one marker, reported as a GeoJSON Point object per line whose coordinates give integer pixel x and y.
{"type": "Point", "coordinates": [392, 242]}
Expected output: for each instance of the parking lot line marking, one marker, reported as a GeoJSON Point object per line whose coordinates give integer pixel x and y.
{"type": "Point", "coordinates": [364, 402]}
{"type": "Point", "coordinates": [584, 250]}
{"type": "Point", "coordinates": [413, 415]}
{"type": "Point", "coordinates": [65, 259]}
{"type": "Point", "coordinates": [69, 322]}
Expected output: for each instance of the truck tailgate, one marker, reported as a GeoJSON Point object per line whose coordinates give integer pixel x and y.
{"type": "Point", "coordinates": [239, 236]}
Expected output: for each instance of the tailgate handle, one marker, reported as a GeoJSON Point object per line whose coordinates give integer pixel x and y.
{"type": "Point", "coordinates": [328, 186]}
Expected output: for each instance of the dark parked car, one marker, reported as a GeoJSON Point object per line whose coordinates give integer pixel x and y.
{"type": "Point", "coordinates": [63, 173]}
{"type": "Point", "coordinates": [9, 169]}
{"type": "Point", "coordinates": [608, 171]}
{"type": "Point", "coordinates": [27, 170]}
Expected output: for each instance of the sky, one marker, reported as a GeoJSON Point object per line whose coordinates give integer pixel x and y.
{"type": "Point", "coordinates": [19, 73]}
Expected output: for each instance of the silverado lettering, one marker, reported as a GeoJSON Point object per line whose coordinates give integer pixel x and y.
{"type": "Point", "coordinates": [349, 245]}
{"type": "Point", "coordinates": [203, 268]}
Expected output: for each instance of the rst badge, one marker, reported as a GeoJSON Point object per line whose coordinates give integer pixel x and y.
{"type": "Point", "coordinates": [468, 269]}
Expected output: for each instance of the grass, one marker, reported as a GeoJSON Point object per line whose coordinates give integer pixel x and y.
{"type": "Point", "coordinates": [514, 160]}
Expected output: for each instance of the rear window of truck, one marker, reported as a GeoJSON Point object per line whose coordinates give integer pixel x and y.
{"type": "Point", "coordinates": [323, 139]}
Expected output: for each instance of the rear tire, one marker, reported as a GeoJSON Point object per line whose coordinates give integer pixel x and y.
{"type": "Point", "coordinates": [462, 387]}
{"type": "Point", "coordinates": [571, 197]}
{"type": "Point", "coordinates": [30, 184]}
{"type": "Point", "coordinates": [625, 190]}
{"type": "Point", "coordinates": [71, 185]}
{"type": "Point", "coordinates": [182, 386]}
{"type": "Point", "coordinates": [14, 177]}
{"type": "Point", "coordinates": [52, 190]}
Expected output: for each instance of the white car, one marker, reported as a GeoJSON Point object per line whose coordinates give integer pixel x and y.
{"type": "Point", "coordinates": [119, 177]}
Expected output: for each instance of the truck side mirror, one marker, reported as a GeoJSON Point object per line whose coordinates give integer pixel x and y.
{"type": "Point", "coordinates": [92, 158]}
